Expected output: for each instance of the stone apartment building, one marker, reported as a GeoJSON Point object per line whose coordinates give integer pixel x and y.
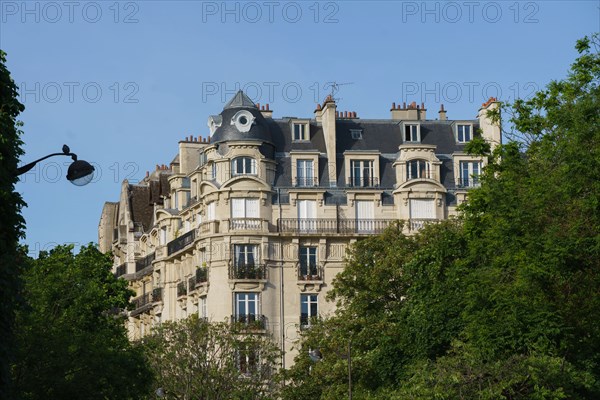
{"type": "Point", "coordinates": [251, 224]}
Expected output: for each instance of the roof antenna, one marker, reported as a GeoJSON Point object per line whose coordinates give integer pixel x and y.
{"type": "Point", "coordinates": [335, 87]}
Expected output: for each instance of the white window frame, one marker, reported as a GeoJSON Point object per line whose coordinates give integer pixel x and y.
{"type": "Point", "coordinates": [245, 254]}
{"type": "Point", "coordinates": [470, 174]}
{"type": "Point", "coordinates": [460, 136]}
{"type": "Point", "coordinates": [303, 132]}
{"type": "Point", "coordinates": [410, 164]}
{"type": "Point", "coordinates": [247, 169]}
{"type": "Point", "coordinates": [366, 173]}
{"type": "Point", "coordinates": [307, 256]}
{"type": "Point", "coordinates": [305, 172]}
{"type": "Point", "coordinates": [309, 308]}
{"type": "Point", "coordinates": [415, 133]}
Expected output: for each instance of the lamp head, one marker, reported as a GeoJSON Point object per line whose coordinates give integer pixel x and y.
{"type": "Point", "coordinates": [80, 173]}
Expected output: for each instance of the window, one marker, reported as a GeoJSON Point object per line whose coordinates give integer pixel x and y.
{"type": "Point", "coordinates": [305, 173]}
{"type": "Point", "coordinates": [307, 215]}
{"type": "Point", "coordinates": [211, 209]}
{"type": "Point", "coordinates": [411, 133]}
{"type": "Point", "coordinates": [246, 307]}
{"type": "Point", "coordinates": [308, 263]}
{"type": "Point", "coordinates": [300, 131]}
{"type": "Point", "coordinates": [356, 134]}
{"type": "Point", "coordinates": [418, 169]}
{"type": "Point", "coordinates": [243, 166]}
{"type": "Point", "coordinates": [245, 213]}
{"type": "Point", "coordinates": [463, 133]}
{"type": "Point", "coordinates": [162, 236]}
{"type": "Point", "coordinates": [245, 254]}
{"type": "Point", "coordinates": [202, 308]}
{"type": "Point", "coordinates": [213, 172]}
{"type": "Point", "coordinates": [421, 211]}
{"type": "Point", "coordinates": [247, 359]}
{"type": "Point", "coordinates": [361, 173]}
{"type": "Point", "coordinates": [469, 173]}
{"type": "Point", "coordinates": [365, 216]}
{"type": "Point", "coordinates": [309, 309]}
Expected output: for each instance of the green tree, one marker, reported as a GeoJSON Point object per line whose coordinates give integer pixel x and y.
{"type": "Point", "coordinates": [71, 337]}
{"type": "Point", "coordinates": [194, 359]}
{"type": "Point", "coordinates": [12, 224]}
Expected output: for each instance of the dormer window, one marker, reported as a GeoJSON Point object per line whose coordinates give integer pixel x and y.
{"type": "Point", "coordinates": [300, 131]}
{"type": "Point", "coordinates": [463, 133]}
{"type": "Point", "coordinates": [412, 133]}
{"type": "Point", "coordinates": [356, 134]}
{"type": "Point", "coordinates": [243, 166]}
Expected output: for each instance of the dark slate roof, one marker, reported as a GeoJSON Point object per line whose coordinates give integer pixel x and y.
{"type": "Point", "coordinates": [240, 100]}
{"type": "Point", "coordinates": [141, 210]}
{"type": "Point", "coordinates": [227, 131]}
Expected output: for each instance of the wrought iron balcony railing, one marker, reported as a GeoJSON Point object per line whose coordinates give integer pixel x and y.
{"type": "Point", "coordinates": [181, 242]}
{"type": "Point", "coordinates": [121, 270]}
{"type": "Point", "coordinates": [306, 321]}
{"type": "Point", "coordinates": [243, 224]}
{"type": "Point", "coordinates": [416, 224]}
{"type": "Point", "coordinates": [470, 182]}
{"type": "Point", "coordinates": [157, 294]}
{"type": "Point", "coordinates": [145, 262]}
{"type": "Point", "coordinates": [249, 321]}
{"type": "Point", "coordinates": [247, 271]}
{"type": "Point", "coordinates": [306, 181]}
{"type": "Point", "coordinates": [363, 182]}
{"type": "Point", "coordinates": [201, 275]}
{"type": "Point", "coordinates": [310, 272]}
{"type": "Point", "coordinates": [333, 226]}
{"type": "Point", "coordinates": [181, 289]}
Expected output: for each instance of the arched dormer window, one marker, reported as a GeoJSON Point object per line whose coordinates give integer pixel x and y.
{"type": "Point", "coordinates": [418, 169]}
{"type": "Point", "coordinates": [243, 166]}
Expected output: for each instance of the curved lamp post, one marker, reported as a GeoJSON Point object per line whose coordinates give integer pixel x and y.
{"type": "Point", "coordinates": [80, 172]}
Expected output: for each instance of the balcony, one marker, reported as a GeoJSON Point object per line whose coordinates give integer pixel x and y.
{"type": "Point", "coordinates": [416, 224]}
{"type": "Point", "coordinates": [141, 304]}
{"type": "Point", "coordinates": [306, 182]}
{"type": "Point", "coordinates": [363, 182]}
{"type": "Point", "coordinates": [181, 289]}
{"type": "Point", "coordinates": [245, 224]}
{"type": "Point", "coordinates": [310, 272]}
{"type": "Point", "coordinates": [157, 295]}
{"type": "Point", "coordinates": [247, 272]}
{"type": "Point", "coordinates": [181, 242]}
{"type": "Point", "coordinates": [320, 226]}
{"type": "Point", "coordinates": [145, 262]}
{"type": "Point", "coordinates": [248, 322]}
{"type": "Point", "coordinates": [121, 270]}
{"type": "Point", "coordinates": [471, 182]}
{"type": "Point", "coordinates": [201, 276]}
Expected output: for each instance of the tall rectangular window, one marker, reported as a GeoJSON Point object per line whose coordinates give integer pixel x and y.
{"type": "Point", "coordinates": [246, 307]}
{"type": "Point", "coordinates": [418, 169]}
{"type": "Point", "coordinates": [463, 133]}
{"type": "Point", "coordinates": [300, 132]}
{"type": "Point", "coordinates": [305, 173]}
{"type": "Point", "coordinates": [245, 254]}
{"type": "Point", "coordinates": [469, 173]}
{"type": "Point", "coordinates": [361, 173]}
{"type": "Point", "coordinates": [308, 262]}
{"type": "Point", "coordinates": [365, 216]}
{"type": "Point", "coordinates": [202, 308]}
{"type": "Point", "coordinates": [309, 309]}
{"type": "Point", "coordinates": [411, 133]}
{"type": "Point", "coordinates": [307, 215]}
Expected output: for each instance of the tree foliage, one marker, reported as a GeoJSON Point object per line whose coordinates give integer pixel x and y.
{"type": "Point", "coordinates": [12, 224]}
{"type": "Point", "coordinates": [502, 304]}
{"type": "Point", "coordinates": [194, 359]}
{"type": "Point", "coordinates": [71, 338]}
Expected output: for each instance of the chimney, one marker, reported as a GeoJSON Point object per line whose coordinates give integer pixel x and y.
{"type": "Point", "coordinates": [328, 114]}
{"type": "Point", "coordinates": [318, 111]}
{"type": "Point", "coordinates": [412, 112]}
{"type": "Point", "coordinates": [265, 111]}
{"type": "Point", "coordinates": [490, 129]}
{"type": "Point", "coordinates": [442, 113]}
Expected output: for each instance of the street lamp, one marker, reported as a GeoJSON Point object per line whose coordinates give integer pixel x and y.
{"type": "Point", "coordinates": [316, 356]}
{"type": "Point", "coordinates": [80, 172]}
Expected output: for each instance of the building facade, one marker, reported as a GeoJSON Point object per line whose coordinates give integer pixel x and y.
{"type": "Point", "coordinates": [252, 224]}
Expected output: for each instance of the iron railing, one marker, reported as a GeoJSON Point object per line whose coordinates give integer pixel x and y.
{"type": "Point", "coordinates": [333, 226]}
{"type": "Point", "coordinates": [121, 270]}
{"type": "Point", "coordinates": [247, 271]}
{"type": "Point", "coordinates": [306, 321]}
{"type": "Point", "coordinates": [310, 272]}
{"type": "Point", "coordinates": [363, 182]}
{"type": "Point", "coordinates": [157, 294]}
{"type": "Point", "coordinates": [416, 224]}
{"type": "Point", "coordinates": [470, 182]}
{"type": "Point", "coordinates": [201, 275]}
{"type": "Point", "coordinates": [306, 181]}
{"type": "Point", "coordinates": [181, 289]}
{"type": "Point", "coordinates": [181, 242]}
{"type": "Point", "coordinates": [145, 262]}
{"type": "Point", "coordinates": [249, 321]}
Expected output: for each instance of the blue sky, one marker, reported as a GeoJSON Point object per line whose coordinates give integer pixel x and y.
{"type": "Point", "coordinates": [121, 82]}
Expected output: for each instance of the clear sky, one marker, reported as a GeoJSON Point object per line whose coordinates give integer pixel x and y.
{"type": "Point", "coordinates": [121, 82]}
